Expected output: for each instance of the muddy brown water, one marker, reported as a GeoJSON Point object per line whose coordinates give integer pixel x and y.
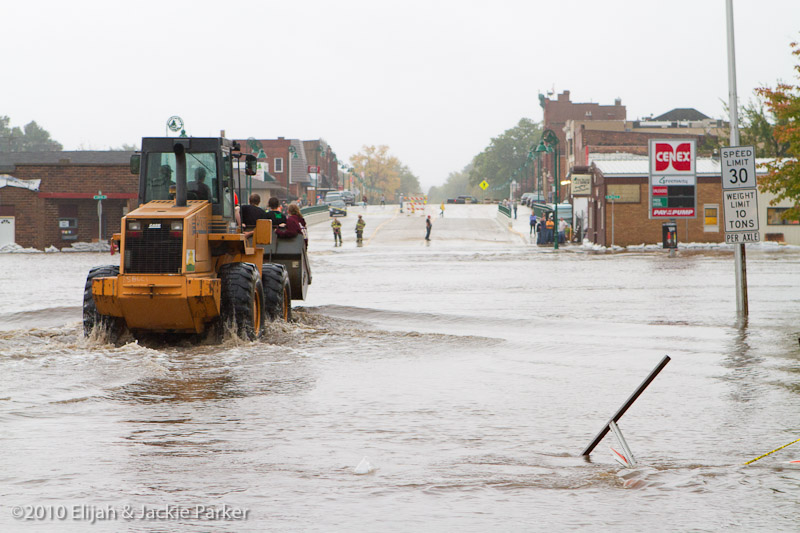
{"type": "Point", "coordinates": [470, 373]}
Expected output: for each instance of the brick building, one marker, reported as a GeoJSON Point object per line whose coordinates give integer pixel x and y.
{"type": "Point", "coordinates": [288, 161]}
{"type": "Point", "coordinates": [608, 136]}
{"type": "Point", "coordinates": [283, 166]}
{"type": "Point", "coordinates": [60, 209]}
{"type": "Point", "coordinates": [627, 176]}
{"type": "Point", "coordinates": [322, 155]}
{"type": "Point", "coordinates": [558, 112]}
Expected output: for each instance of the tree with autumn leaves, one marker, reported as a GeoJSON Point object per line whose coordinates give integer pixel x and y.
{"type": "Point", "coordinates": [783, 178]}
{"type": "Point", "coordinates": [381, 173]}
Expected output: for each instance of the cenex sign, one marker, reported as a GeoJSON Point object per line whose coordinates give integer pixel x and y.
{"type": "Point", "coordinates": [673, 178]}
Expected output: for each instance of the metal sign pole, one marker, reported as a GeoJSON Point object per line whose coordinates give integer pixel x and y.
{"type": "Point", "coordinates": [626, 405]}
{"type": "Point", "coordinates": [739, 255]}
{"type": "Point", "coordinates": [99, 220]}
{"type": "Point", "coordinates": [612, 222]}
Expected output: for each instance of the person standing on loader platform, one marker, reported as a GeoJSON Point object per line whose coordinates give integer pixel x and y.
{"type": "Point", "coordinates": [337, 232]}
{"type": "Point", "coordinates": [274, 213]}
{"type": "Point", "coordinates": [293, 225]}
{"type": "Point", "coordinates": [428, 227]}
{"type": "Point", "coordinates": [251, 213]}
{"type": "Point", "coordinates": [533, 223]}
{"type": "Point", "coordinates": [360, 229]}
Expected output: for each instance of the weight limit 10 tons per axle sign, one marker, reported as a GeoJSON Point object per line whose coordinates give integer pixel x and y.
{"type": "Point", "coordinates": [739, 195]}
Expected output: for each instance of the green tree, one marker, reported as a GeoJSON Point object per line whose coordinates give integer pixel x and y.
{"type": "Point", "coordinates": [457, 183]}
{"type": "Point", "coordinates": [758, 128]}
{"type": "Point", "coordinates": [32, 138]}
{"type": "Point", "coordinates": [409, 183]}
{"type": "Point", "coordinates": [783, 177]}
{"type": "Point", "coordinates": [506, 155]}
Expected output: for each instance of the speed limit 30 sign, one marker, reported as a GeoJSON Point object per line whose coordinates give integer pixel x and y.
{"type": "Point", "coordinates": [739, 194]}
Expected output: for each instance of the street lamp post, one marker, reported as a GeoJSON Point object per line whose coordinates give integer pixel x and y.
{"type": "Point", "coordinates": [551, 140]}
{"type": "Point", "coordinates": [320, 150]}
{"type": "Point", "coordinates": [292, 155]}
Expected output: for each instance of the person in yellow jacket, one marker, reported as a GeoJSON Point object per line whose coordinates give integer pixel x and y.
{"type": "Point", "coordinates": [337, 232]}
{"type": "Point", "coordinates": [441, 207]}
{"type": "Point", "coordinates": [550, 225]}
{"type": "Point", "coordinates": [360, 228]}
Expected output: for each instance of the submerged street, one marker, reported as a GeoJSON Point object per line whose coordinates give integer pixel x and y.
{"type": "Point", "coordinates": [469, 371]}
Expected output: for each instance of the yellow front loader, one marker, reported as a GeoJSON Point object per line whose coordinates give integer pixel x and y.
{"type": "Point", "coordinates": [185, 264]}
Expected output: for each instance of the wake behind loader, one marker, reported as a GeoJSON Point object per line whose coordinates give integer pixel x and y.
{"type": "Point", "coordinates": [185, 266]}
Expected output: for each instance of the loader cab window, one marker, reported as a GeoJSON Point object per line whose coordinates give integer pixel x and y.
{"type": "Point", "coordinates": [201, 174]}
{"type": "Point", "coordinates": [160, 176]}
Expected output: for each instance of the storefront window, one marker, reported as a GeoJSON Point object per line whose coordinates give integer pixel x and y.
{"type": "Point", "coordinates": [711, 217]}
{"type": "Point", "coordinates": [775, 217]}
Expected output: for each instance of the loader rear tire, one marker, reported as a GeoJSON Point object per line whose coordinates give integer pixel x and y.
{"type": "Point", "coordinates": [242, 305]}
{"type": "Point", "coordinates": [112, 326]}
{"type": "Point", "coordinates": [277, 292]}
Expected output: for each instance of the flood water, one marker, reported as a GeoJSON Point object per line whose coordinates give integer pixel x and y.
{"type": "Point", "coordinates": [470, 372]}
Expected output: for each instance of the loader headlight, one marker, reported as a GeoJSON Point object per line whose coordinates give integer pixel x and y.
{"type": "Point", "coordinates": [176, 229]}
{"type": "Point", "coordinates": [134, 229]}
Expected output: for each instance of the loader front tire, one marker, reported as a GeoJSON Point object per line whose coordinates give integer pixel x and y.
{"type": "Point", "coordinates": [110, 326]}
{"type": "Point", "coordinates": [242, 305]}
{"type": "Point", "coordinates": [277, 292]}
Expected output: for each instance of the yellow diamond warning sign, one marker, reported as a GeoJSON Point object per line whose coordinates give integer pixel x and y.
{"type": "Point", "coordinates": [484, 185]}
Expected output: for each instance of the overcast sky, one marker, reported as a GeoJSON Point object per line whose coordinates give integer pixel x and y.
{"type": "Point", "coordinates": [433, 80]}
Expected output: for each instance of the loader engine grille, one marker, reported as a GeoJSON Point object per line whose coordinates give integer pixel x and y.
{"type": "Point", "coordinates": [154, 249]}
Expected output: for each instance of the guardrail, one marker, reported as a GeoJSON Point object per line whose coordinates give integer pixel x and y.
{"type": "Point", "coordinates": [315, 214]}
{"type": "Point", "coordinates": [503, 215]}
{"type": "Point", "coordinates": [311, 209]}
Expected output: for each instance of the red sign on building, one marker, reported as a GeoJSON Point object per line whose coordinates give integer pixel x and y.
{"type": "Point", "coordinates": [673, 178]}
{"type": "Point", "coordinates": [313, 169]}
{"type": "Point", "coordinates": [669, 158]}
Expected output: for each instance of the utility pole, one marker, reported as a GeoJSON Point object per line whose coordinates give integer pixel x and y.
{"type": "Point", "coordinates": [739, 252]}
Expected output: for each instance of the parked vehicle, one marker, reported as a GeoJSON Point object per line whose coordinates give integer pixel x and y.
{"type": "Point", "coordinates": [348, 197]}
{"type": "Point", "coordinates": [338, 208]}
{"type": "Point", "coordinates": [530, 198]}
{"type": "Point", "coordinates": [465, 199]}
{"type": "Point", "coordinates": [331, 197]}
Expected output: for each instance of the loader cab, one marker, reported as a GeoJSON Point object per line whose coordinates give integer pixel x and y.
{"type": "Point", "coordinates": [189, 168]}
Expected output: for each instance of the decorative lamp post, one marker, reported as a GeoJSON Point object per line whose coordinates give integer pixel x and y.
{"type": "Point", "coordinates": [292, 155]}
{"type": "Point", "coordinates": [549, 137]}
{"type": "Point", "coordinates": [320, 150]}
{"type": "Point", "coordinates": [540, 151]}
